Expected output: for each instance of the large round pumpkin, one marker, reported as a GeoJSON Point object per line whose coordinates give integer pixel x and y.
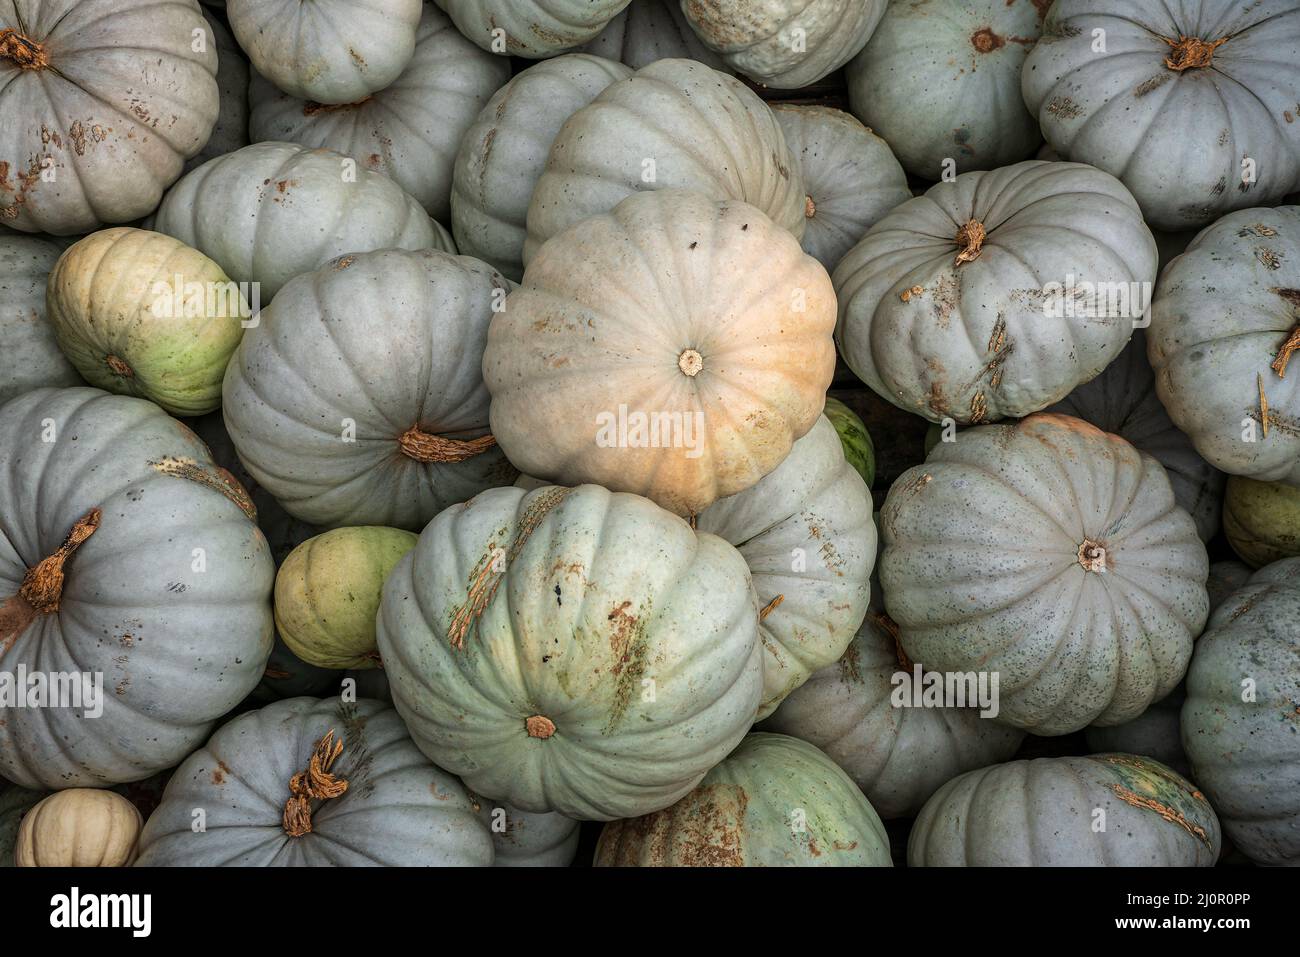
{"type": "Point", "coordinates": [649, 30]}
{"type": "Point", "coordinates": [358, 400]}
{"type": "Point", "coordinates": [1224, 323]}
{"type": "Point", "coordinates": [410, 130]}
{"type": "Point", "coordinates": [1137, 100]}
{"type": "Point", "coordinates": [139, 313]}
{"type": "Point", "coordinates": [104, 102]}
{"type": "Point", "coordinates": [784, 43]}
{"type": "Point", "coordinates": [271, 211]}
{"type": "Point", "coordinates": [1239, 721]}
{"type": "Point", "coordinates": [862, 715]}
{"type": "Point", "coordinates": [1262, 520]}
{"type": "Point", "coordinates": [572, 650]}
{"type": "Point", "coordinates": [675, 124]}
{"type": "Point", "coordinates": [675, 347]}
{"type": "Point", "coordinates": [124, 552]}
{"type": "Point", "coordinates": [503, 154]}
{"type": "Point", "coordinates": [330, 51]}
{"type": "Point", "coordinates": [1050, 553]}
{"type": "Point", "coordinates": [327, 593]}
{"type": "Point", "coordinates": [231, 129]}
{"type": "Point", "coordinates": [1107, 810]}
{"type": "Point", "coordinates": [31, 357]}
{"type": "Point", "coordinates": [775, 801]}
{"type": "Point", "coordinates": [531, 28]}
{"type": "Point", "coordinates": [312, 783]}
{"type": "Point", "coordinates": [1123, 401]}
{"type": "Point", "coordinates": [850, 177]}
{"type": "Point", "coordinates": [523, 839]}
{"type": "Point", "coordinates": [80, 827]}
{"type": "Point", "coordinates": [947, 305]}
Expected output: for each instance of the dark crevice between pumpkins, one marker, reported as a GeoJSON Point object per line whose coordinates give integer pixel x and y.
{"type": "Point", "coordinates": [42, 586]}
{"type": "Point", "coordinates": [424, 447]}
{"type": "Point", "coordinates": [317, 783]}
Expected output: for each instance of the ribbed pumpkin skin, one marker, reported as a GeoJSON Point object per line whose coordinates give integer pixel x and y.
{"type": "Point", "coordinates": [531, 28]}
{"type": "Point", "coordinates": [941, 81]}
{"type": "Point", "coordinates": [330, 51]}
{"type": "Point", "coordinates": [615, 658]}
{"type": "Point", "coordinates": [759, 38]}
{"type": "Point", "coordinates": [523, 839]}
{"type": "Point", "coordinates": [649, 30]}
{"type": "Point", "coordinates": [724, 142]}
{"type": "Point", "coordinates": [14, 803]}
{"type": "Point", "coordinates": [503, 153]}
{"type": "Point", "coordinates": [95, 137]}
{"type": "Point", "coordinates": [774, 802]}
{"type": "Point", "coordinates": [410, 130]}
{"type": "Point", "coordinates": [897, 756]}
{"type": "Point", "coordinates": [1246, 754]}
{"type": "Point", "coordinates": [139, 313]}
{"type": "Point", "coordinates": [387, 341]}
{"type": "Point", "coordinates": [850, 177]}
{"type": "Point", "coordinates": [1123, 401]}
{"type": "Point", "coordinates": [398, 810]}
{"type": "Point", "coordinates": [178, 647]}
{"type": "Point", "coordinates": [231, 129]}
{"type": "Point", "coordinates": [983, 569]}
{"type": "Point", "coordinates": [1041, 813]}
{"type": "Point", "coordinates": [32, 357]}
{"type": "Point", "coordinates": [271, 211]}
{"type": "Point", "coordinates": [1262, 520]}
{"type": "Point", "coordinates": [859, 451]}
{"type": "Point", "coordinates": [80, 827]}
{"type": "Point", "coordinates": [609, 315]}
{"type": "Point", "coordinates": [975, 343]}
{"type": "Point", "coordinates": [1126, 111]}
{"type": "Point", "coordinates": [1221, 313]}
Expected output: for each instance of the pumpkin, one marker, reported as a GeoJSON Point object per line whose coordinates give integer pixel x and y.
{"type": "Point", "coordinates": [358, 400]}
{"type": "Point", "coordinates": [408, 131]}
{"type": "Point", "coordinates": [896, 753]}
{"type": "Point", "coordinates": [140, 313]}
{"type": "Point", "coordinates": [312, 783]}
{"type": "Point", "coordinates": [684, 344]}
{"type": "Point", "coordinates": [1238, 722]}
{"type": "Point", "coordinates": [14, 803]}
{"type": "Point", "coordinates": [80, 827]}
{"type": "Point", "coordinates": [649, 30]}
{"type": "Point", "coordinates": [1155, 733]}
{"type": "Point", "coordinates": [1262, 520]}
{"type": "Point", "coordinates": [850, 177]}
{"type": "Point", "coordinates": [724, 142]}
{"type": "Point", "coordinates": [854, 438]}
{"type": "Point", "coordinates": [1106, 810]}
{"type": "Point", "coordinates": [947, 305]}
{"type": "Point", "coordinates": [521, 839]}
{"type": "Point", "coordinates": [327, 593]}
{"type": "Point", "coordinates": [231, 130]}
{"type": "Point", "coordinates": [93, 137]}
{"type": "Point", "coordinates": [330, 51]}
{"type": "Point", "coordinates": [572, 650]}
{"type": "Point", "coordinates": [124, 552]}
{"type": "Point", "coordinates": [1131, 106]}
{"type": "Point", "coordinates": [784, 43]}
{"type": "Point", "coordinates": [1123, 401]}
{"type": "Point", "coordinates": [1224, 323]}
{"type": "Point", "coordinates": [531, 28]}
{"type": "Point", "coordinates": [32, 357]}
{"type": "Point", "coordinates": [941, 83]}
{"type": "Point", "coordinates": [775, 801]}
{"type": "Point", "coordinates": [271, 211]}
{"type": "Point", "coordinates": [1053, 554]}
{"type": "Point", "coordinates": [504, 152]}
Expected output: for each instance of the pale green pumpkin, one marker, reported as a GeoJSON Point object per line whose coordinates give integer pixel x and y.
{"type": "Point", "coordinates": [1261, 520]}
{"type": "Point", "coordinates": [858, 448]}
{"type": "Point", "coordinates": [142, 314]}
{"type": "Point", "coordinates": [327, 593]}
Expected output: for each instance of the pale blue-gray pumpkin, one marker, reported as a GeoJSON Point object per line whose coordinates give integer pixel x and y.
{"type": "Point", "coordinates": [531, 28]}
{"type": "Point", "coordinates": [649, 30]}
{"type": "Point", "coordinates": [31, 357]}
{"type": "Point", "coordinates": [127, 553]}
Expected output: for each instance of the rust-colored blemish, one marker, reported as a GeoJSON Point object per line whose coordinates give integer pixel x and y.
{"type": "Point", "coordinates": [119, 367]}
{"type": "Point", "coordinates": [539, 726]}
{"type": "Point", "coordinates": [986, 41]}
{"type": "Point", "coordinates": [770, 607]}
{"type": "Point", "coordinates": [1172, 815]}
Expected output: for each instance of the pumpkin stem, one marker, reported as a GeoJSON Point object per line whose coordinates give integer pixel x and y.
{"type": "Point", "coordinates": [1191, 52]}
{"type": "Point", "coordinates": [1092, 556]}
{"type": "Point", "coordinates": [317, 783]}
{"type": "Point", "coordinates": [1284, 353]}
{"type": "Point", "coordinates": [119, 367]}
{"type": "Point", "coordinates": [1263, 404]}
{"type": "Point", "coordinates": [891, 626]}
{"type": "Point", "coordinates": [971, 240]}
{"type": "Point", "coordinates": [24, 51]}
{"type": "Point", "coordinates": [690, 362]}
{"type": "Point", "coordinates": [770, 607]}
{"type": "Point", "coordinates": [809, 207]}
{"type": "Point", "coordinates": [312, 108]}
{"type": "Point", "coordinates": [539, 726]}
{"type": "Point", "coordinates": [43, 584]}
{"type": "Point", "coordinates": [424, 447]}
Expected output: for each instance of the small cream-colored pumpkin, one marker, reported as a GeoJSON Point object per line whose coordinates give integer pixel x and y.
{"type": "Point", "coordinates": [81, 827]}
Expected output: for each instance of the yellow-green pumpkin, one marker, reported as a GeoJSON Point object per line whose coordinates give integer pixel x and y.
{"type": "Point", "coordinates": [1261, 520]}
